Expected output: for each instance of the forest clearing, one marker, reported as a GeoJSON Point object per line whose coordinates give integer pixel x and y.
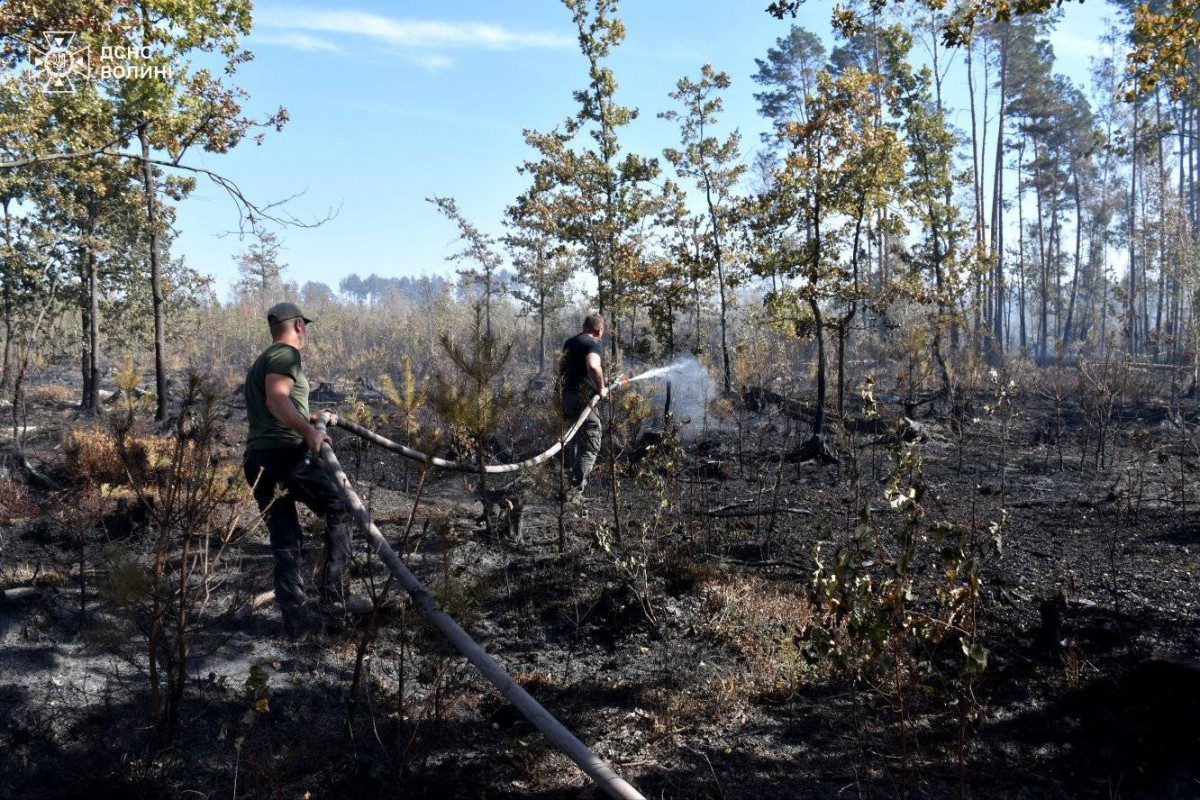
{"type": "Point", "coordinates": [869, 467]}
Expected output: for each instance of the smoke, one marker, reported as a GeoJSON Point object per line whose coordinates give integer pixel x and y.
{"type": "Point", "coordinates": [692, 388]}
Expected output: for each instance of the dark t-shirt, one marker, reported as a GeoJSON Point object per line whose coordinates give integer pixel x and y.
{"type": "Point", "coordinates": [573, 365]}
{"type": "Point", "coordinates": [265, 430]}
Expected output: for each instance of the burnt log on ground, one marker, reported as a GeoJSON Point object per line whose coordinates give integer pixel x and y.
{"type": "Point", "coordinates": [26, 471]}
{"type": "Point", "coordinates": [760, 400]}
{"type": "Point", "coordinates": [816, 448]}
{"type": "Point", "coordinates": [325, 393]}
{"type": "Point", "coordinates": [714, 469]}
{"type": "Point", "coordinates": [875, 426]}
{"type": "Point", "coordinates": [22, 594]}
{"type": "Point", "coordinates": [734, 513]}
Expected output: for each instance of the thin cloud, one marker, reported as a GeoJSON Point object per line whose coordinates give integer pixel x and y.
{"type": "Point", "coordinates": [434, 62]}
{"type": "Point", "coordinates": [297, 41]}
{"type": "Point", "coordinates": [425, 34]}
{"type": "Point", "coordinates": [429, 115]}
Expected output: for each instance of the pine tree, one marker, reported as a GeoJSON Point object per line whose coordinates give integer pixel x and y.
{"type": "Point", "coordinates": [716, 168]}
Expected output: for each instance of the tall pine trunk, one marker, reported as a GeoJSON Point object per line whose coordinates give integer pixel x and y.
{"type": "Point", "coordinates": [93, 366]}
{"type": "Point", "coordinates": [1131, 309]}
{"type": "Point", "coordinates": [1042, 257]}
{"type": "Point", "coordinates": [998, 210]}
{"type": "Point", "coordinates": [160, 346]}
{"type": "Point", "coordinates": [6, 301]}
{"type": "Point", "coordinates": [716, 233]}
{"type": "Point", "coordinates": [1066, 339]}
{"type": "Point", "coordinates": [1024, 340]}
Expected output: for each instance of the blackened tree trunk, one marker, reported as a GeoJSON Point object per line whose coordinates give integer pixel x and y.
{"type": "Point", "coordinates": [1066, 340]}
{"type": "Point", "coordinates": [85, 327]}
{"type": "Point", "coordinates": [822, 388]}
{"type": "Point", "coordinates": [6, 300]}
{"type": "Point", "coordinates": [1162, 230]}
{"type": "Point", "coordinates": [716, 233]}
{"type": "Point", "coordinates": [998, 210]}
{"type": "Point", "coordinates": [93, 366]}
{"type": "Point", "coordinates": [160, 369]}
{"type": "Point", "coordinates": [1024, 341]}
{"type": "Point", "coordinates": [542, 331]}
{"type": "Point", "coordinates": [1042, 258]}
{"type": "Point", "coordinates": [1131, 315]}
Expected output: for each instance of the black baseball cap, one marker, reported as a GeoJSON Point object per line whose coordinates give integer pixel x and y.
{"type": "Point", "coordinates": [282, 312]}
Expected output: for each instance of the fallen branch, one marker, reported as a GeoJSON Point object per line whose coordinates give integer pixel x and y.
{"type": "Point", "coordinates": [726, 513]}
{"type": "Point", "coordinates": [34, 478]}
{"type": "Point", "coordinates": [555, 731]}
{"type": "Point", "coordinates": [22, 594]}
{"type": "Point", "coordinates": [776, 563]}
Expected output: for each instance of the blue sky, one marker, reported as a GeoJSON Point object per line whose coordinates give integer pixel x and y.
{"type": "Point", "coordinates": [394, 102]}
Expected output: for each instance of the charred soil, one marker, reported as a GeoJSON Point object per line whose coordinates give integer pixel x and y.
{"type": "Point", "coordinates": [685, 652]}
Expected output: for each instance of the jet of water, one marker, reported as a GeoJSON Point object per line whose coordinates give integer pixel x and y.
{"type": "Point", "coordinates": [657, 373]}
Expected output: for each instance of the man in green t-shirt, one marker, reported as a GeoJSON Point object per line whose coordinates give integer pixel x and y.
{"type": "Point", "coordinates": [282, 465]}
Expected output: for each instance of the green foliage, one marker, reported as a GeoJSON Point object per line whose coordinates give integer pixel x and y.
{"type": "Point", "coordinates": [476, 400]}
{"type": "Point", "coordinates": [600, 200]}
{"type": "Point", "coordinates": [479, 248]}
{"type": "Point", "coordinates": [260, 275]}
{"type": "Point", "coordinates": [790, 75]}
{"type": "Point", "coordinates": [543, 266]}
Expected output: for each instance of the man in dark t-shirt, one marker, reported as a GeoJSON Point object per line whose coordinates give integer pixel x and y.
{"type": "Point", "coordinates": [282, 465]}
{"type": "Point", "coordinates": [582, 376]}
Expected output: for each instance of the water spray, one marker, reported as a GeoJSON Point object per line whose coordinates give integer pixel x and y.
{"type": "Point", "coordinates": [658, 372]}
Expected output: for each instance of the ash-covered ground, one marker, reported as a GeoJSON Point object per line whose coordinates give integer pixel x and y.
{"type": "Point", "coordinates": [682, 653]}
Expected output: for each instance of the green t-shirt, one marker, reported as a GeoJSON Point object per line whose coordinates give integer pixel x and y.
{"type": "Point", "coordinates": [266, 431]}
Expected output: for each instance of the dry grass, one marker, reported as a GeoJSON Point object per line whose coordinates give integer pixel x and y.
{"type": "Point", "coordinates": [51, 394]}
{"type": "Point", "coordinates": [25, 574]}
{"type": "Point", "coordinates": [92, 457]}
{"type": "Point", "coordinates": [764, 623]}
{"type": "Point", "coordinates": [15, 502]}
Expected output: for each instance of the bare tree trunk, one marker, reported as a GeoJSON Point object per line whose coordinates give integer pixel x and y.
{"type": "Point", "coordinates": [716, 233]}
{"type": "Point", "coordinates": [5, 366]}
{"type": "Point", "coordinates": [1055, 263]}
{"type": "Point", "coordinates": [1131, 308]}
{"type": "Point", "coordinates": [160, 346]}
{"type": "Point", "coordinates": [1024, 343]}
{"type": "Point", "coordinates": [93, 402]}
{"type": "Point", "coordinates": [85, 327]}
{"type": "Point", "coordinates": [819, 329]}
{"type": "Point", "coordinates": [1144, 299]}
{"type": "Point", "coordinates": [1042, 259]}
{"type": "Point", "coordinates": [6, 300]}
{"type": "Point", "coordinates": [542, 333]}
{"type": "Point", "coordinates": [981, 303]}
{"type": "Point", "coordinates": [1162, 231]}
{"type": "Point", "coordinates": [1066, 340]}
{"type": "Point", "coordinates": [998, 208]}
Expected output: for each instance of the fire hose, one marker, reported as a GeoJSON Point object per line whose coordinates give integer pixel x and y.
{"type": "Point", "coordinates": [558, 734]}
{"type": "Point", "coordinates": [462, 466]}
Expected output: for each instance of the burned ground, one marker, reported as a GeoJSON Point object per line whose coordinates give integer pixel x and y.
{"type": "Point", "coordinates": [684, 654]}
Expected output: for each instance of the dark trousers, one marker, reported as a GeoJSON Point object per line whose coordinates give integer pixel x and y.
{"type": "Point", "coordinates": [284, 476]}
{"type": "Point", "coordinates": [580, 453]}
